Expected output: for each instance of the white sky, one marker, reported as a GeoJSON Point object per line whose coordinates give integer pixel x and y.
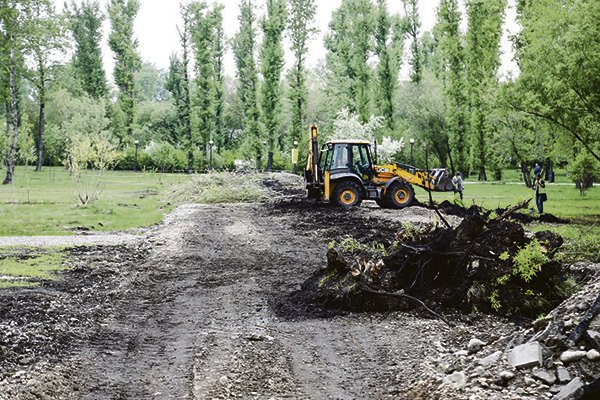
{"type": "Point", "coordinates": [157, 20]}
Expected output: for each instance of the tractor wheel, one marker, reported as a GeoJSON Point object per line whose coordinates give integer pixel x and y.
{"type": "Point", "coordinates": [347, 194]}
{"type": "Point", "coordinates": [383, 203]}
{"type": "Point", "coordinates": [400, 195]}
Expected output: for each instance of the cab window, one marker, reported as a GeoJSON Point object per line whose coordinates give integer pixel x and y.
{"type": "Point", "coordinates": [340, 156]}
{"type": "Point", "coordinates": [325, 158]}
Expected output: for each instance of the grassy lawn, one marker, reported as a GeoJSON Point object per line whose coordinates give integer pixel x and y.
{"type": "Point", "coordinates": [26, 267]}
{"type": "Point", "coordinates": [47, 203]}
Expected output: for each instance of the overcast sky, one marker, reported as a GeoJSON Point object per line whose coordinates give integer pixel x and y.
{"type": "Point", "coordinates": [157, 20]}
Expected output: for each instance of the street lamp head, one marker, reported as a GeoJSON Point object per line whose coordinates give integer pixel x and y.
{"type": "Point", "coordinates": [136, 142]}
{"type": "Point", "coordinates": [295, 143]}
{"type": "Point", "coordinates": [411, 140]}
{"type": "Point", "coordinates": [211, 142]}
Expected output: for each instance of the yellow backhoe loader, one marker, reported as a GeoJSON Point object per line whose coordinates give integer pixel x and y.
{"type": "Point", "coordinates": [345, 173]}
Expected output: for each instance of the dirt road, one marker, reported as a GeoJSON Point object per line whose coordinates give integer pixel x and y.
{"type": "Point", "coordinates": [203, 307]}
{"type": "Point", "coordinates": [199, 322]}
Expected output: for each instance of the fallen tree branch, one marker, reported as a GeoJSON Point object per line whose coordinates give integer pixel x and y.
{"type": "Point", "coordinates": [582, 327]}
{"type": "Point", "coordinates": [512, 210]}
{"type": "Point", "coordinates": [406, 296]}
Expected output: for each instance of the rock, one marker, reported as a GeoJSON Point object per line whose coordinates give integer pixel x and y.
{"type": "Point", "coordinates": [461, 353]}
{"type": "Point", "coordinates": [506, 376]}
{"type": "Point", "coordinates": [572, 391]}
{"type": "Point", "coordinates": [593, 355]}
{"type": "Point", "coordinates": [224, 380]}
{"type": "Point", "coordinates": [526, 356]}
{"type": "Point", "coordinates": [544, 376]}
{"type": "Point", "coordinates": [450, 369]}
{"type": "Point", "coordinates": [563, 375]}
{"type": "Point", "coordinates": [570, 356]}
{"type": "Point", "coordinates": [491, 359]}
{"type": "Point", "coordinates": [457, 378]}
{"type": "Point", "coordinates": [474, 345]}
{"type": "Point", "coordinates": [556, 389]}
{"type": "Point", "coordinates": [529, 381]}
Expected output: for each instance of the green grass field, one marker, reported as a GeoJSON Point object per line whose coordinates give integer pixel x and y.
{"type": "Point", "coordinates": [46, 203]}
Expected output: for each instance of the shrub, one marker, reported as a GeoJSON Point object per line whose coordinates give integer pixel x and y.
{"type": "Point", "coordinates": [583, 171]}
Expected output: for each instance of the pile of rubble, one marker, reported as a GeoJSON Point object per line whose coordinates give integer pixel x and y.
{"type": "Point", "coordinates": [556, 357]}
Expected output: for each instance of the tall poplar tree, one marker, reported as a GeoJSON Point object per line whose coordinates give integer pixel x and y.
{"type": "Point", "coordinates": [218, 66]}
{"type": "Point", "coordinates": [447, 33]}
{"type": "Point", "coordinates": [350, 44]}
{"type": "Point", "coordinates": [271, 66]}
{"type": "Point", "coordinates": [122, 15]}
{"type": "Point", "coordinates": [203, 36]}
{"type": "Point", "coordinates": [412, 25]}
{"type": "Point", "coordinates": [178, 83]}
{"type": "Point", "coordinates": [47, 35]}
{"type": "Point", "coordinates": [16, 20]}
{"type": "Point", "coordinates": [302, 15]}
{"type": "Point", "coordinates": [86, 28]}
{"type": "Point", "coordinates": [483, 44]}
{"type": "Point", "coordinates": [389, 45]}
{"type": "Point", "coordinates": [244, 49]}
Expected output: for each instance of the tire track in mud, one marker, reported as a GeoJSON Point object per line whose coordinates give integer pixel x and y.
{"type": "Point", "coordinates": [195, 320]}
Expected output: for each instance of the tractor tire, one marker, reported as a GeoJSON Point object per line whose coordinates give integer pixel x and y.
{"type": "Point", "coordinates": [347, 194]}
{"type": "Point", "coordinates": [383, 203]}
{"type": "Point", "coordinates": [400, 195]}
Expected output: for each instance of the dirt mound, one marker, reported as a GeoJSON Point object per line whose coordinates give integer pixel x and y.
{"type": "Point", "coordinates": [492, 266]}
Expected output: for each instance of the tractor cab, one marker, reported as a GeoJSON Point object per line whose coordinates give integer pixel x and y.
{"type": "Point", "coordinates": [344, 158]}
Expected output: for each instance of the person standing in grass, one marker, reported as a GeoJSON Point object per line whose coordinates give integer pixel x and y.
{"type": "Point", "coordinates": [457, 180]}
{"type": "Point", "coordinates": [540, 197]}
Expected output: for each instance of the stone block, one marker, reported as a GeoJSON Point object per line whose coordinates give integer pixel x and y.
{"type": "Point", "coordinates": [527, 355]}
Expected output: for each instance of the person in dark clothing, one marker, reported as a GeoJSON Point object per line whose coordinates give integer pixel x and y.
{"type": "Point", "coordinates": [457, 180]}
{"type": "Point", "coordinates": [537, 186]}
{"type": "Point", "coordinates": [537, 170]}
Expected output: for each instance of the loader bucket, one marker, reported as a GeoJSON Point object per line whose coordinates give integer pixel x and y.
{"type": "Point", "coordinates": [442, 182]}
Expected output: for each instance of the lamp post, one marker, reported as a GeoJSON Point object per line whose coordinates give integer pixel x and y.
{"type": "Point", "coordinates": [210, 144]}
{"type": "Point", "coordinates": [295, 156]}
{"type": "Point", "coordinates": [135, 164]}
{"type": "Point", "coordinates": [412, 142]}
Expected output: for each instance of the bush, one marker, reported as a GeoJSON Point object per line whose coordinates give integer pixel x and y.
{"type": "Point", "coordinates": [583, 171]}
{"type": "Point", "coordinates": [165, 157]}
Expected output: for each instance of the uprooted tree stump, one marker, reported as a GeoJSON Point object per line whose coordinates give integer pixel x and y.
{"type": "Point", "coordinates": [482, 264]}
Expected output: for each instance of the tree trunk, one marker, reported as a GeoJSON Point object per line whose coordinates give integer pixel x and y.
{"type": "Point", "coordinates": [41, 138]}
{"type": "Point", "coordinates": [10, 156]}
{"type": "Point", "coordinates": [450, 158]}
{"type": "Point", "coordinates": [270, 162]}
{"type": "Point", "coordinates": [526, 174]}
{"type": "Point", "coordinates": [130, 122]}
{"type": "Point", "coordinates": [482, 174]}
{"type": "Point", "coordinates": [186, 101]}
{"type": "Point", "coordinates": [7, 108]}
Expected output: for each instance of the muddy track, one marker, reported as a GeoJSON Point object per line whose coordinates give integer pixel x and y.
{"type": "Point", "coordinates": [206, 314]}
{"type": "Point", "coordinates": [196, 321]}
